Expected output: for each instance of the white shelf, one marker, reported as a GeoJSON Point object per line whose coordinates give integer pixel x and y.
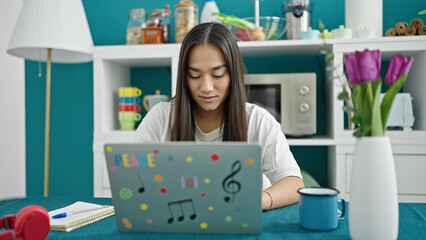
{"type": "Point", "coordinates": [160, 54]}
{"type": "Point", "coordinates": [312, 141]}
{"type": "Point", "coordinates": [112, 66]}
{"type": "Point", "coordinates": [416, 137]}
{"type": "Point", "coordinates": [128, 136]}
{"type": "Point", "coordinates": [154, 55]}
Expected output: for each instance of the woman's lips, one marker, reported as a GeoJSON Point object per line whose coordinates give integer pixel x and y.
{"type": "Point", "coordinates": [208, 99]}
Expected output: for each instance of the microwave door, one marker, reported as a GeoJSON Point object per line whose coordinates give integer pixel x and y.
{"type": "Point", "coordinates": [267, 96]}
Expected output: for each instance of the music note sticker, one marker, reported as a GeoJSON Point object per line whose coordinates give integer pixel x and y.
{"type": "Point", "coordinates": [181, 210]}
{"type": "Point", "coordinates": [142, 188]}
{"type": "Point", "coordinates": [229, 184]}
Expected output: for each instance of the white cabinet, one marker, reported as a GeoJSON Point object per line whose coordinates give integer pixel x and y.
{"type": "Point", "coordinates": [409, 147]}
{"type": "Point", "coordinates": [112, 69]}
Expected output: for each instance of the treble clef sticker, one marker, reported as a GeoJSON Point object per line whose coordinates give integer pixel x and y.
{"type": "Point", "coordinates": [229, 184]}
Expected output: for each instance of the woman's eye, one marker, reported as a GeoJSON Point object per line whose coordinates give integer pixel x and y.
{"type": "Point", "coordinates": [194, 77]}
{"type": "Point", "coordinates": [219, 76]}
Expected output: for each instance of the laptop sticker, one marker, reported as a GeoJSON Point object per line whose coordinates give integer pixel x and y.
{"type": "Point", "coordinates": [165, 191]}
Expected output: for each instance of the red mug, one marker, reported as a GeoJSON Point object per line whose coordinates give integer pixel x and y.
{"type": "Point", "coordinates": [129, 108]}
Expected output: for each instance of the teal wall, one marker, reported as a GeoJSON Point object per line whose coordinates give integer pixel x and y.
{"type": "Point", "coordinates": [71, 156]}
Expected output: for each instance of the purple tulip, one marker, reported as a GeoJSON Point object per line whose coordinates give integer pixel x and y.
{"type": "Point", "coordinates": [363, 66]}
{"type": "Point", "coordinates": [397, 67]}
{"type": "Point", "coordinates": [351, 65]}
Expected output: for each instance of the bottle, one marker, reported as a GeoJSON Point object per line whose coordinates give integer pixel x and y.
{"type": "Point", "coordinates": [163, 15]}
{"type": "Point", "coordinates": [210, 7]}
{"type": "Point", "coordinates": [134, 26]}
{"type": "Point", "coordinates": [186, 17]}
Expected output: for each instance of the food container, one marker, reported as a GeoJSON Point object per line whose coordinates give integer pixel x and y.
{"type": "Point", "coordinates": [163, 16]}
{"type": "Point", "coordinates": [152, 35]}
{"type": "Point", "coordinates": [342, 32]}
{"type": "Point", "coordinates": [310, 34]}
{"type": "Point", "coordinates": [186, 17]}
{"type": "Point", "coordinates": [271, 28]}
{"type": "Point", "coordinates": [326, 34]}
{"type": "Point", "coordinates": [135, 24]}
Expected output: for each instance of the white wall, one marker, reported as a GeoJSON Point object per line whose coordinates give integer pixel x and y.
{"type": "Point", "coordinates": [12, 108]}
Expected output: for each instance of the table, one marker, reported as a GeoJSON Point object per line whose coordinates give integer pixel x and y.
{"type": "Point", "coordinates": [277, 224]}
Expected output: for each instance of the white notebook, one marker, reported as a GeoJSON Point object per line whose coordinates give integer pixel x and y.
{"type": "Point", "coordinates": [75, 221]}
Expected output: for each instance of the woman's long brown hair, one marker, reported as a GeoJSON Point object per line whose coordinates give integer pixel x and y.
{"type": "Point", "coordinates": [234, 118]}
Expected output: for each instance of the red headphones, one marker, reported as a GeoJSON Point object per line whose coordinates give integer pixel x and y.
{"type": "Point", "coordinates": [31, 223]}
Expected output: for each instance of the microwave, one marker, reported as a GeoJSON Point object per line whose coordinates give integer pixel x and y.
{"type": "Point", "coordinates": [290, 98]}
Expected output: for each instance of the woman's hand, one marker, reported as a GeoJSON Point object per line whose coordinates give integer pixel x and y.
{"type": "Point", "coordinates": [282, 193]}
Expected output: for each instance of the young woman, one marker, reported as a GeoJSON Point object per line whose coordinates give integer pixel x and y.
{"type": "Point", "coordinates": [210, 105]}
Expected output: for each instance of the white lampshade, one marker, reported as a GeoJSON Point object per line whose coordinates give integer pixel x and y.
{"type": "Point", "coordinates": [57, 24]}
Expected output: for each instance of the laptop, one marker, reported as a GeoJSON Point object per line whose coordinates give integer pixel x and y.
{"type": "Point", "coordinates": [186, 187]}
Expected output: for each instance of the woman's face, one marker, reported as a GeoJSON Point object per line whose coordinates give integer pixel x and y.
{"type": "Point", "coordinates": [208, 78]}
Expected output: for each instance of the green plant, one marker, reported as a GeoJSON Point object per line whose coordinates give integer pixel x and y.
{"type": "Point", "coordinates": [335, 75]}
{"type": "Point", "coordinates": [370, 114]}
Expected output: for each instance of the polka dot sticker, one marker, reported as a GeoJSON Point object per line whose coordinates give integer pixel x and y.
{"type": "Point", "coordinates": [144, 206]}
{"type": "Point", "coordinates": [189, 159]}
{"type": "Point", "coordinates": [163, 190]}
{"type": "Point", "coordinates": [244, 225]}
{"type": "Point", "coordinates": [158, 178]}
{"type": "Point", "coordinates": [249, 161]}
{"type": "Point", "coordinates": [170, 158]}
{"type": "Point", "coordinates": [237, 209]}
{"type": "Point", "coordinates": [206, 180]}
{"type": "Point", "coordinates": [228, 218]}
{"type": "Point", "coordinates": [109, 149]}
{"type": "Point", "coordinates": [126, 193]}
{"type": "Point", "coordinates": [156, 151]}
{"type": "Point", "coordinates": [203, 225]}
{"type": "Point", "coordinates": [215, 157]}
{"type": "Point", "coordinates": [210, 208]}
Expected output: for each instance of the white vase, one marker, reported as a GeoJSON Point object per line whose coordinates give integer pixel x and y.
{"type": "Point", "coordinates": [364, 15]}
{"type": "Point", "coordinates": [373, 205]}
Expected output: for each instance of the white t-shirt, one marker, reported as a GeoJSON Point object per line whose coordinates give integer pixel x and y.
{"type": "Point", "coordinates": [277, 160]}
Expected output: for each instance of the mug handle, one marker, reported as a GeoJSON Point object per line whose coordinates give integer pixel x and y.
{"type": "Point", "coordinates": [342, 215]}
{"type": "Point", "coordinates": [137, 91]}
{"type": "Point", "coordinates": [145, 103]}
{"type": "Point", "coordinates": [138, 116]}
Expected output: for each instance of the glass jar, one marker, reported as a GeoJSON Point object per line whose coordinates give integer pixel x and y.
{"type": "Point", "coordinates": [136, 22]}
{"type": "Point", "coordinates": [163, 15]}
{"type": "Point", "coordinates": [186, 17]}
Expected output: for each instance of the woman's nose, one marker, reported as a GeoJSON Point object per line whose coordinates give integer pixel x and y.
{"type": "Point", "coordinates": [206, 84]}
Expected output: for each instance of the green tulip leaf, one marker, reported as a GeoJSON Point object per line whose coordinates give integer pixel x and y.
{"type": "Point", "coordinates": [366, 108]}
{"type": "Point", "coordinates": [376, 117]}
{"type": "Point", "coordinates": [357, 133]}
{"type": "Point", "coordinates": [356, 119]}
{"type": "Point", "coordinates": [389, 97]}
